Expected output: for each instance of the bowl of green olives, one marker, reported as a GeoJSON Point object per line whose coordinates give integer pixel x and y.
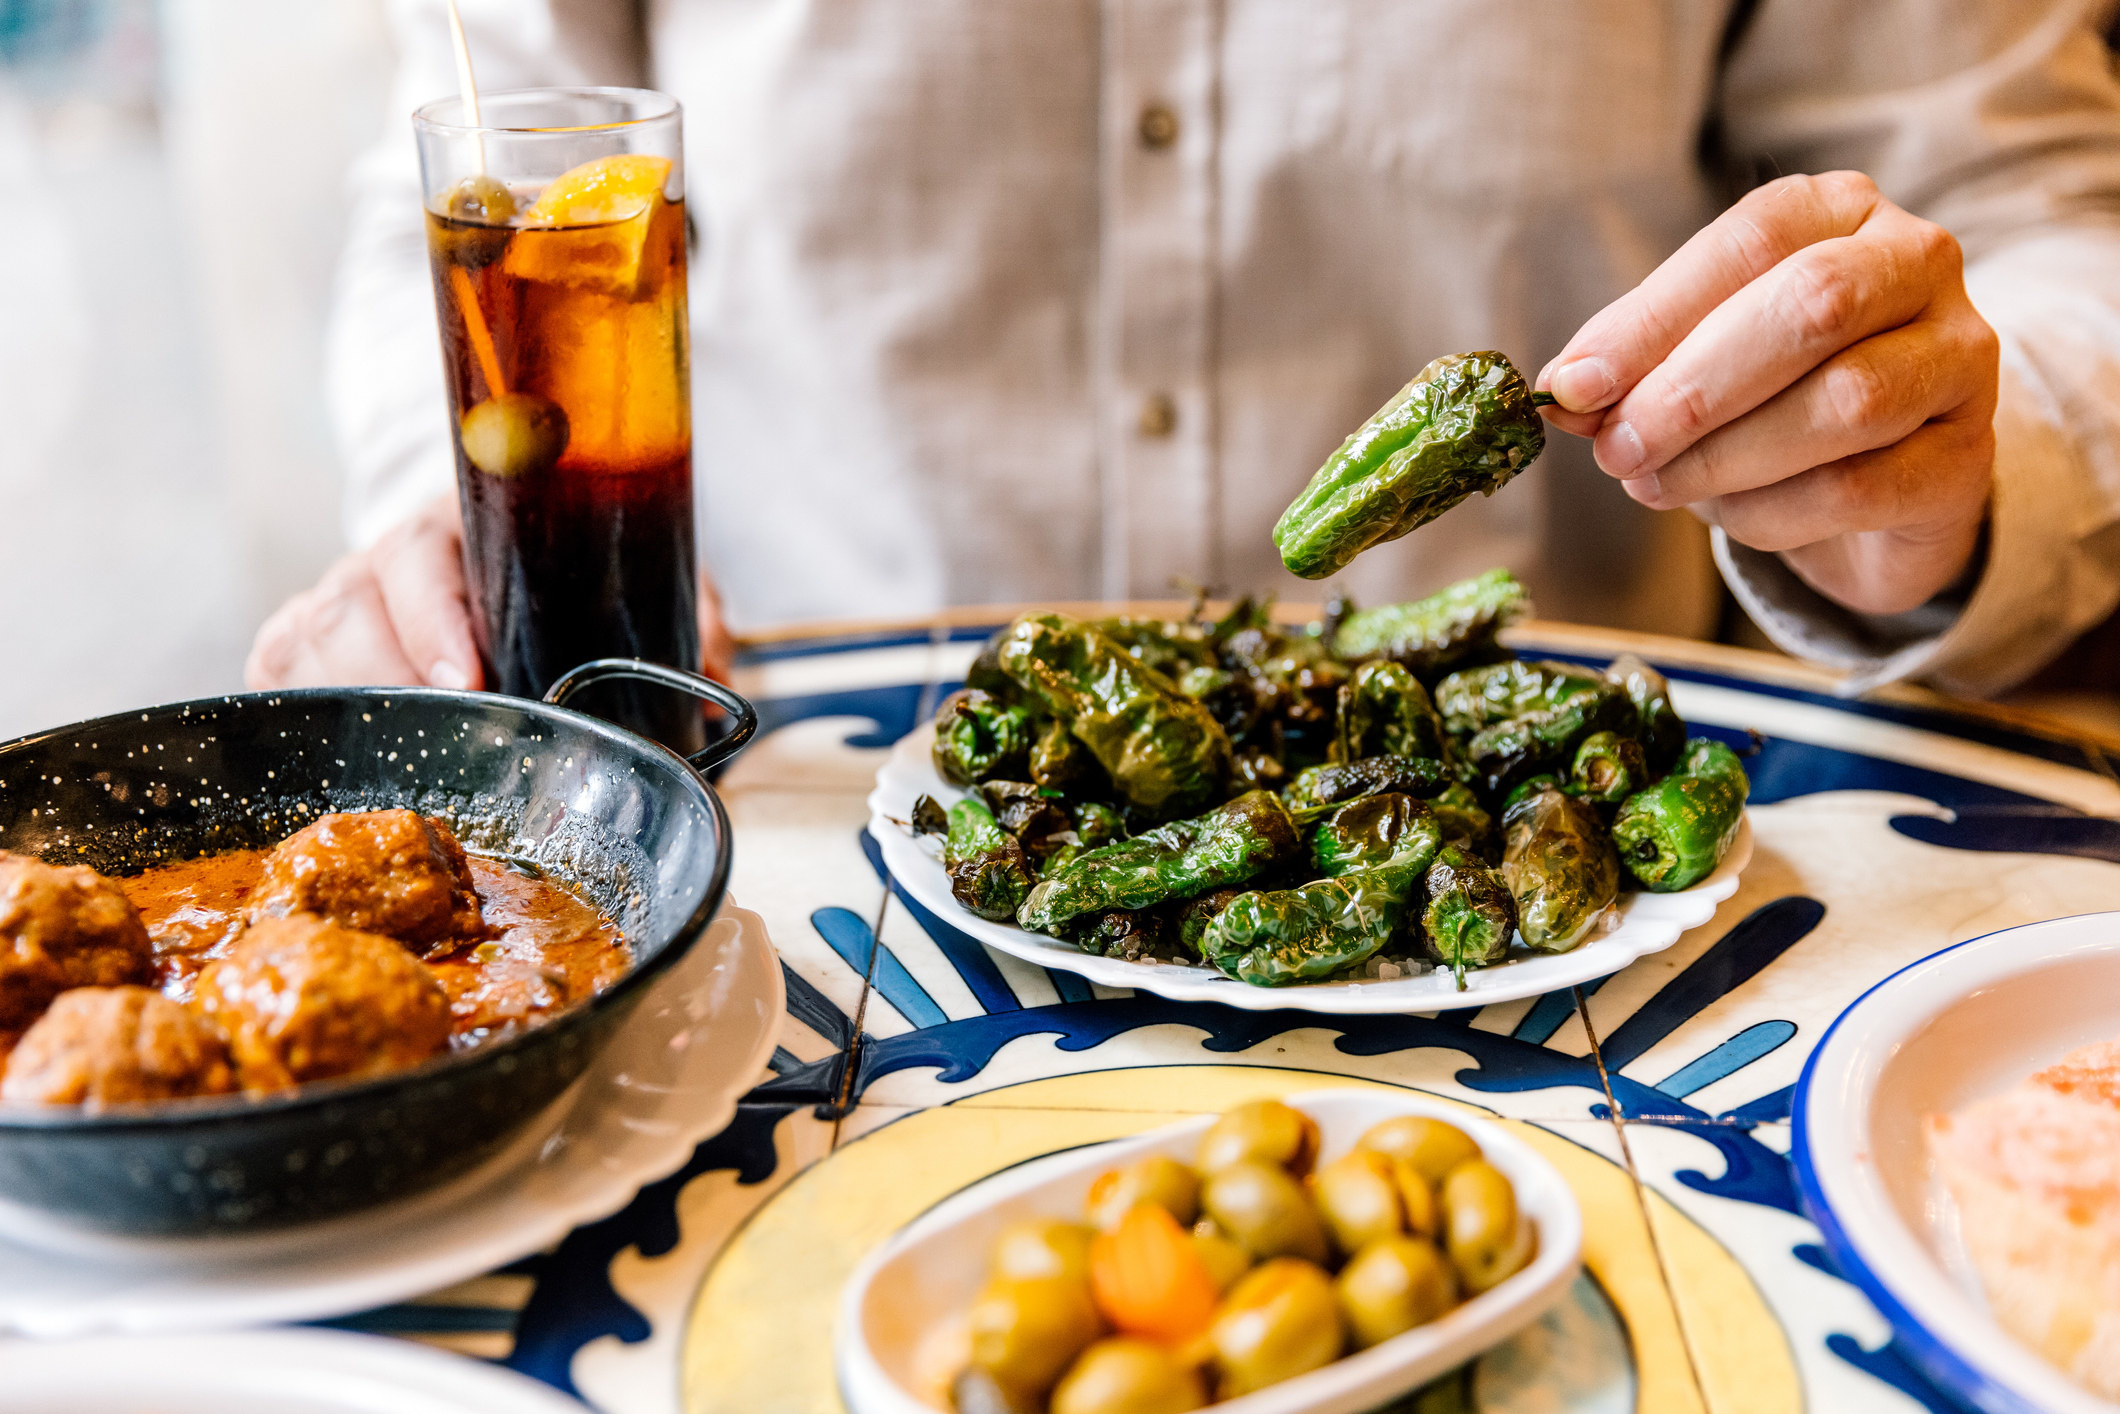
{"type": "Point", "coordinates": [1327, 1254]}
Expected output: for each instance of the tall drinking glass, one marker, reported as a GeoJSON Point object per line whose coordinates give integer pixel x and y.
{"type": "Point", "coordinates": [556, 234]}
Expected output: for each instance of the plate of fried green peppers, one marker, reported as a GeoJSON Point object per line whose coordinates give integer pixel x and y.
{"type": "Point", "coordinates": [1382, 811]}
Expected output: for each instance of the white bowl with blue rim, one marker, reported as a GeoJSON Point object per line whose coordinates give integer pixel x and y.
{"type": "Point", "coordinates": [1958, 1026]}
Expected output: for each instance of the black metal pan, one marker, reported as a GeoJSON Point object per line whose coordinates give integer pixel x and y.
{"type": "Point", "coordinates": [629, 824]}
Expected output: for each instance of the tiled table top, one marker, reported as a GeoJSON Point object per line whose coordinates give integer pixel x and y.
{"type": "Point", "coordinates": [913, 1061]}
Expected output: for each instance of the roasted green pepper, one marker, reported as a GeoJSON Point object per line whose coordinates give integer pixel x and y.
{"type": "Point", "coordinates": [1673, 834]}
{"type": "Point", "coordinates": [1432, 634]}
{"type": "Point", "coordinates": [1058, 761]}
{"type": "Point", "coordinates": [1320, 786]}
{"type": "Point", "coordinates": [1469, 915]}
{"type": "Point", "coordinates": [1608, 768]}
{"type": "Point", "coordinates": [1475, 698]}
{"type": "Point", "coordinates": [1197, 912]}
{"type": "Point", "coordinates": [1662, 730]}
{"type": "Point", "coordinates": [1039, 822]}
{"type": "Point", "coordinates": [1096, 824]}
{"type": "Point", "coordinates": [1128, 934]}
{"type": "Point", "coordinates": [979, 737]}
{"type": "Point", "coordinates": [1465, 423]}
{"type": "Point", "coordinates": [1168, 645]}
{"type": "Point", "coordinates": [1314, 930]}
{"type": "Point", "coordinates": [1465, 821]}
{"type": "Point", "coordinates": [1545, 739]}
{"type": "Point", "coordinates": [1165, 753]}
{"type": "Point", "coordinates": [1384, 711]}
{"type": "Point", "coordinates": [1560, 867]}
{"type": "Point", "coordinates": [1524, 789]}
{"type": "Point", "coordinates": [1368, 831]}
{"type": "Point", "coordinates": [988, 871]}
{"type": "Point", "coordinates": [1228, 845]}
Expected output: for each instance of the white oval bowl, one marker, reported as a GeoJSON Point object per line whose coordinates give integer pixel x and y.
{"type": "Point", "coordinates": [928, 1274]}
{"type": "Point", "coordinates": [1957, 1026]}
{"type": "Point", "coordinates": [1648, 923]}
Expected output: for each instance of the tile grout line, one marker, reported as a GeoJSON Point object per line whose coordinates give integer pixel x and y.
{"type": "Point", "coordinates": [1641, 1196]}
{"type": "Point", "coordinates": [938, 633]}
{"type": "Point", "coordinates": [861, 1011]}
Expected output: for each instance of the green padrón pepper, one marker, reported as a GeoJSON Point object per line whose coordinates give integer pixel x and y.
{"type": "Point", "coordinates": [1545, 739]}
{"type": "Point", "coordinates": [1470, 914]}
{"type": "Point", "coordinates": [1608, 768]}
{"type": "Point", "coordinates": [1672, 835]}
{"type": "Point", "coordinates": [1464, 424]}
{"type": "Point", "coordinates": [1200, 911]}
{"type": "Point", "coordinates": [1474, 698]}
{"type": "Point", "coordinates": [1165, 753]}
{"type": "Point", "coordinates": [1058, 761]}
{"type": "Point", "coordinates": [1128, 934]}
{"type": "Point", "coordinates": [1320, 786]}
{"type": "Point", "coordinates": [987, 869]}
{"type": "Point", "coordinates": [1464, 820]}
{"type": "Point", "coordinates": [979, 737]}
{"type": "Point", "coordinates": [1662, 730]}
{"type": "Point", "coordinates": [1384, 711]}
{"type": "Point", "coordinates": [1368, 832]}
{"type": "Point", "coordinates": [1429, 635]}
{"type": "Point", "coordinates": [1228, 845]}
{"type": "Point", "coordinates": [1314, 930]}
{"type": "Point", "coordinates": [1560, 867]}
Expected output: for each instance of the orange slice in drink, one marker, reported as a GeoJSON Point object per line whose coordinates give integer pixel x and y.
{"type": "Point", "coordinates": [590, 227]}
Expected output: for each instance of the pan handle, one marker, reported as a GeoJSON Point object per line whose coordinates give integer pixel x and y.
{"type": "Point", "coordinates": [602, 669]}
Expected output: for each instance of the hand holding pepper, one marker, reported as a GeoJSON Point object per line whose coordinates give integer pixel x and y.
{"type": "Point", "coordinates": [1807, 373]}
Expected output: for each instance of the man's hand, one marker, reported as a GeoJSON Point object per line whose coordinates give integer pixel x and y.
{"type": "Point", "coordinates": [1808, 374]}
{"type": "Point", "coordinates": [398, 612]}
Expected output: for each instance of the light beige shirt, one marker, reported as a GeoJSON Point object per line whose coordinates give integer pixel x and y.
{"type": "Point", "coordinates": [1025, 299]}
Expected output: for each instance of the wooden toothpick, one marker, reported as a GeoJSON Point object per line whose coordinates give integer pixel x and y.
{"type": "Point", "coordinates": [466, 82]}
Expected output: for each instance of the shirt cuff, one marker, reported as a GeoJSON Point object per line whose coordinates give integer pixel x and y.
{"type": "Point", "coordinates": [2024, 606]}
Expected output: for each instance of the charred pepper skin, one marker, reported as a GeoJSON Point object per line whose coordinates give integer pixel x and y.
{"type": "Point", "coordinates": [1466, 822]}
{"type": "Point", "coordinates": [988, 871]}
{"type": "Point", "coordinates": [1470, 913]}
{"type": "Point", "coordinates": [1322, 786]}
{"type": "Point", "coordinates": [1368, 831]}
{"type": "Point", "coordinates": [1673, 834]}
{"type": "Point", "coordinates": [1561, 869]}
{"type": "Point", "coordinates": [1662, 731]}
{"type": "Point", "coordinates": [1310, 932]}
{"type": "Point", "coordinates": [978, 737]}
{"type": "Point", "coordinates": [1384, 711]}
{"type": "Point", "coordinates": [1196, 913]}
{"type": "Point", "coordinates": [1608, 768]}
{"type": "Point", "coordinates": [1544, 740]}
{"type": "Point", "coordinates": [1434, 634]}
{"type": "Point", "coordinates": [1476, 698]}
{"type": "Point", "coordinates": [1465, 423]}
{"type": "Point", "coordinates": [1228, 845]}
{"type": "Point", "coordinates": [1166, 755]}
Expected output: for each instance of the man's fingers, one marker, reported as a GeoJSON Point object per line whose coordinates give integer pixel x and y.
{"type": "Point", "coordinates": [419, 569]}
{"type": "Point", "coordinates": [1619, 345]}
{"type": "Point", "coordinates": [1895, 488]}
{"type": "Point", "coordinates": [348, 632]}
{"type": "Point", "coordinates": [1768, 335]}
{"type": "Point", "coordinates": [1862, 398]}
{"type": "Point", "coordinates": [277, 648]}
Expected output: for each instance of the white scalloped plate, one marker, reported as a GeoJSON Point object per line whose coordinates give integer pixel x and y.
{"type": "Point", "coordinates": [670, 1078]}
{"type": "Point", "coordinates": [1648, 923]}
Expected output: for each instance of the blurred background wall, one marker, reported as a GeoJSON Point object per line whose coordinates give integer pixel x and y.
{"type": "Point", "coordinates": [171, 206]}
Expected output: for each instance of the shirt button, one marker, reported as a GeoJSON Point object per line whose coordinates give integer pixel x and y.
{"type": "Point", "coordinates": [1159, 127]}
{"type": "Point", "coordinates": [1159, 415]}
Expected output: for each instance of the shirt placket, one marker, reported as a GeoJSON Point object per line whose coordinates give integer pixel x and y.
{"type": "Point", "coordinates": [1156, 295]}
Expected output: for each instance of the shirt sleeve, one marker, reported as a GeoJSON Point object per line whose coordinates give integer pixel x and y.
{"type": "Point", "coordinates": [1999, 120]}
{"type": "Point", "coordinates": [383, 352]}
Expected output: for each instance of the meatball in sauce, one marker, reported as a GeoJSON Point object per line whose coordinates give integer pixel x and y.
{"type": "Point", "coordinates": [98, 1046]}
{"type": "Point", "coordinates": [361, 944]}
